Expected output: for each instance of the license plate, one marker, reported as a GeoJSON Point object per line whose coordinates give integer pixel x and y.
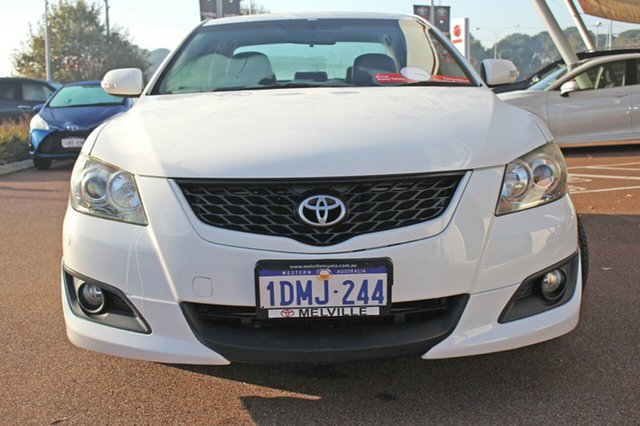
{"type": "Point", "coordinates": [72, 142]}
{"type": "Point", "coordinates": [323, 289]}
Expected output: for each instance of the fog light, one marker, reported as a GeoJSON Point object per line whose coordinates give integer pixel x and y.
{"type": "Point", "coordinates": [552, 285]}
{"type": "Point", "coordinates": [91, 298]}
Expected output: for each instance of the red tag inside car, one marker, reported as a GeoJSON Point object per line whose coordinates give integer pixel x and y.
{"type": "Point", "coordinates": [391, 78]}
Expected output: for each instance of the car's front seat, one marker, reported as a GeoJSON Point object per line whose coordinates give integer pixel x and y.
{"type": "Point", "coordinates": [250, 69]}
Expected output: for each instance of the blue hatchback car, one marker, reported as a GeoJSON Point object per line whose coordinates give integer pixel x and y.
{"type": "Point", "coordinates": [63, 123]}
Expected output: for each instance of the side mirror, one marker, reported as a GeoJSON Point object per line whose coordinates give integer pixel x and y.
{"type": "Point", "coordinates": [498, 71]}
{"type": "Point", "coordinates": [568, 87]}
{"type": "Point", "coordinates": [36, 108]}
{"type": "Point", "coordinates": [125, 82]}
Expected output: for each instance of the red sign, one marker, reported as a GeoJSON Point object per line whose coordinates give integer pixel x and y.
{"type": "Point", "coordinates": [441, 15]}
{"type": "Point", "coordinates": [457, 30]}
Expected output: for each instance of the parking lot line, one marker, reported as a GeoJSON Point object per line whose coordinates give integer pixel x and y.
{"type": "Point", "coordinates": [628, 169]}
{"type": "Point", "coordinates": [589, 191]}
{"type": "Point", "coordinates": [635, 163]}
{"type": "Point", "coordinates": [582, 175]}
{"type": "Point", "coordinates": [586, 179]}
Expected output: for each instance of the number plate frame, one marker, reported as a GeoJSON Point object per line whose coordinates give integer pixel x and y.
{"type": "Point", "coordinates": [262, 265]}
{"type": "Point", "coordinates": [72, 142]}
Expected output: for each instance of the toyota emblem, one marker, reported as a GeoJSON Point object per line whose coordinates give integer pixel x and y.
{"type": "Point", "coordinates": [322, 211]}
{"type": "Point", "coordinates": [73, 127]}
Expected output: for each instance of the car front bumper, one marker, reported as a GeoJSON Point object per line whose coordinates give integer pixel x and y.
{"type": "Point", "coordinates": [47, 144]}
{"type": "Point", "coordinates": [475, 260]}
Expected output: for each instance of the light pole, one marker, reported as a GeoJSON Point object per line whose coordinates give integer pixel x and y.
{"type": "Point", "coordinates": [597, 25]}
{"type": "Point", "coordinates": [432, 13]}
{"type": "Point", "coordinates": [106, 12]}
{"type": "Point", "coordinates": [47, 56]}
{"type": "Point", "coordinates": [496, 34]}
{"type": "Point", "coordinates": [219, 11]}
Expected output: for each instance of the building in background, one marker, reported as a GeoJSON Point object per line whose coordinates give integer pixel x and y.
{"type": "Point", "coordinates": [209, 8]}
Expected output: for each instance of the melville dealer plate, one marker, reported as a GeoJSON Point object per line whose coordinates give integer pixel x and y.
{"type": "Point", "coordinates": [323, 289]}
{"type": "Point", "coordinates": [72, 142]}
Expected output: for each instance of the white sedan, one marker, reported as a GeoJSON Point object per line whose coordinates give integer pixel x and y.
{"type": "Point", "coordinates": [318, 188]}
{"type": "Point", "coordinates": [598, 101]}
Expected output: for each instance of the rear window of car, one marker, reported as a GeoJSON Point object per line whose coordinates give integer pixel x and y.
{"type": "Point", "coordinates": [83, 95]}
{"type": "Point", "coordinates": [35, 92]}
{"type": "Point", "coordinates": [312, 53]}
{"type": "Point", "coordinates": [8, 91]}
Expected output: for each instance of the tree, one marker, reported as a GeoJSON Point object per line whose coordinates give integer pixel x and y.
{"type": "Point", "coordinates": [530, 53]}
{"type": "Point", "coordinates": [79, 46]}
{"type": "Point", "coordinates": [518, 48]}
{"type": "Point", "coordinates": [575, 39]}
{"type": "Point", "coordinates": [155, 59]}
{"type": "Point", "coordinates": [249, 7]}
{"type": "Point", "coordinates": [627, 39]}
{"type": "Point", "coordinates": [544, 48]}
{"type": "Point", "coordinates": [478, 52]}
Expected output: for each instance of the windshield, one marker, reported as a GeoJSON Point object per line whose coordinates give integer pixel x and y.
{"type": "Point", "coordinates": [310, 53]}
{"type": "Point", "coordinates": [84, 95]}
{"type": "Point", "coordinates": [549, 79]}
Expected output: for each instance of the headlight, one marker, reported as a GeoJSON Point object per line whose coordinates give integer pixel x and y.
{"type": "Point", "coordinates": [38, 123]}
{"type": "Point", "coordinates": [102, 190]}
{"type": "Point", "coordinates": [536, 178]}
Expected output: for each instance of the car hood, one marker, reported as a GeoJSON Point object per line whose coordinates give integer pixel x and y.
{"type": "Point", "coordinates": [85, 117]}
{"type": "Point", "coordinates": [318, 132]}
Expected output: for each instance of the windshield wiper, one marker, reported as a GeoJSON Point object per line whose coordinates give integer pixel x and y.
{"type": "Point", "coordinates": [228, 89]}
{"type": "Point", "coordinates": [276, 86]}
{"type": "Point", "coordinates": [302, 85]}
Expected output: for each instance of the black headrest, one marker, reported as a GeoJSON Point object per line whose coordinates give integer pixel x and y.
{"type": "Point", "coordinates": [366, 66]}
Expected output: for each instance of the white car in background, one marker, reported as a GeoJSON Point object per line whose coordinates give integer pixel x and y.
{"type": "Point", "coordinates": [598, 101]}
{"type": "Point", "coordinates": [318, 188]}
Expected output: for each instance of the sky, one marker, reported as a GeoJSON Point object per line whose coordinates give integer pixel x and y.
{"type": "Point", "coordinates": [154, 24]}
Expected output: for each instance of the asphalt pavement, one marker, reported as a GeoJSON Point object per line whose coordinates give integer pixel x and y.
{"type": "Point", "coordinates": [590, 376]}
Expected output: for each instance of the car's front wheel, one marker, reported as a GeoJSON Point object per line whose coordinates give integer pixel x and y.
{"type": "Point", "coordinates": [42, 163]}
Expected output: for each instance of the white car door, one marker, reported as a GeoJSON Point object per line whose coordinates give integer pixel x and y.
{"type": "Point", "coordinates": [599, 111]}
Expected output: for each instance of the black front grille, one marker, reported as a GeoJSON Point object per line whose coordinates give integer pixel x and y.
{"type": "Point", "coordinates": [241, 316]}
{"type": "Point", "coordinates": [270, 207]}
{"type": "Point", "coordinates": [52, 144]}
{"type": "Point", "coordinates": [411, 328]}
